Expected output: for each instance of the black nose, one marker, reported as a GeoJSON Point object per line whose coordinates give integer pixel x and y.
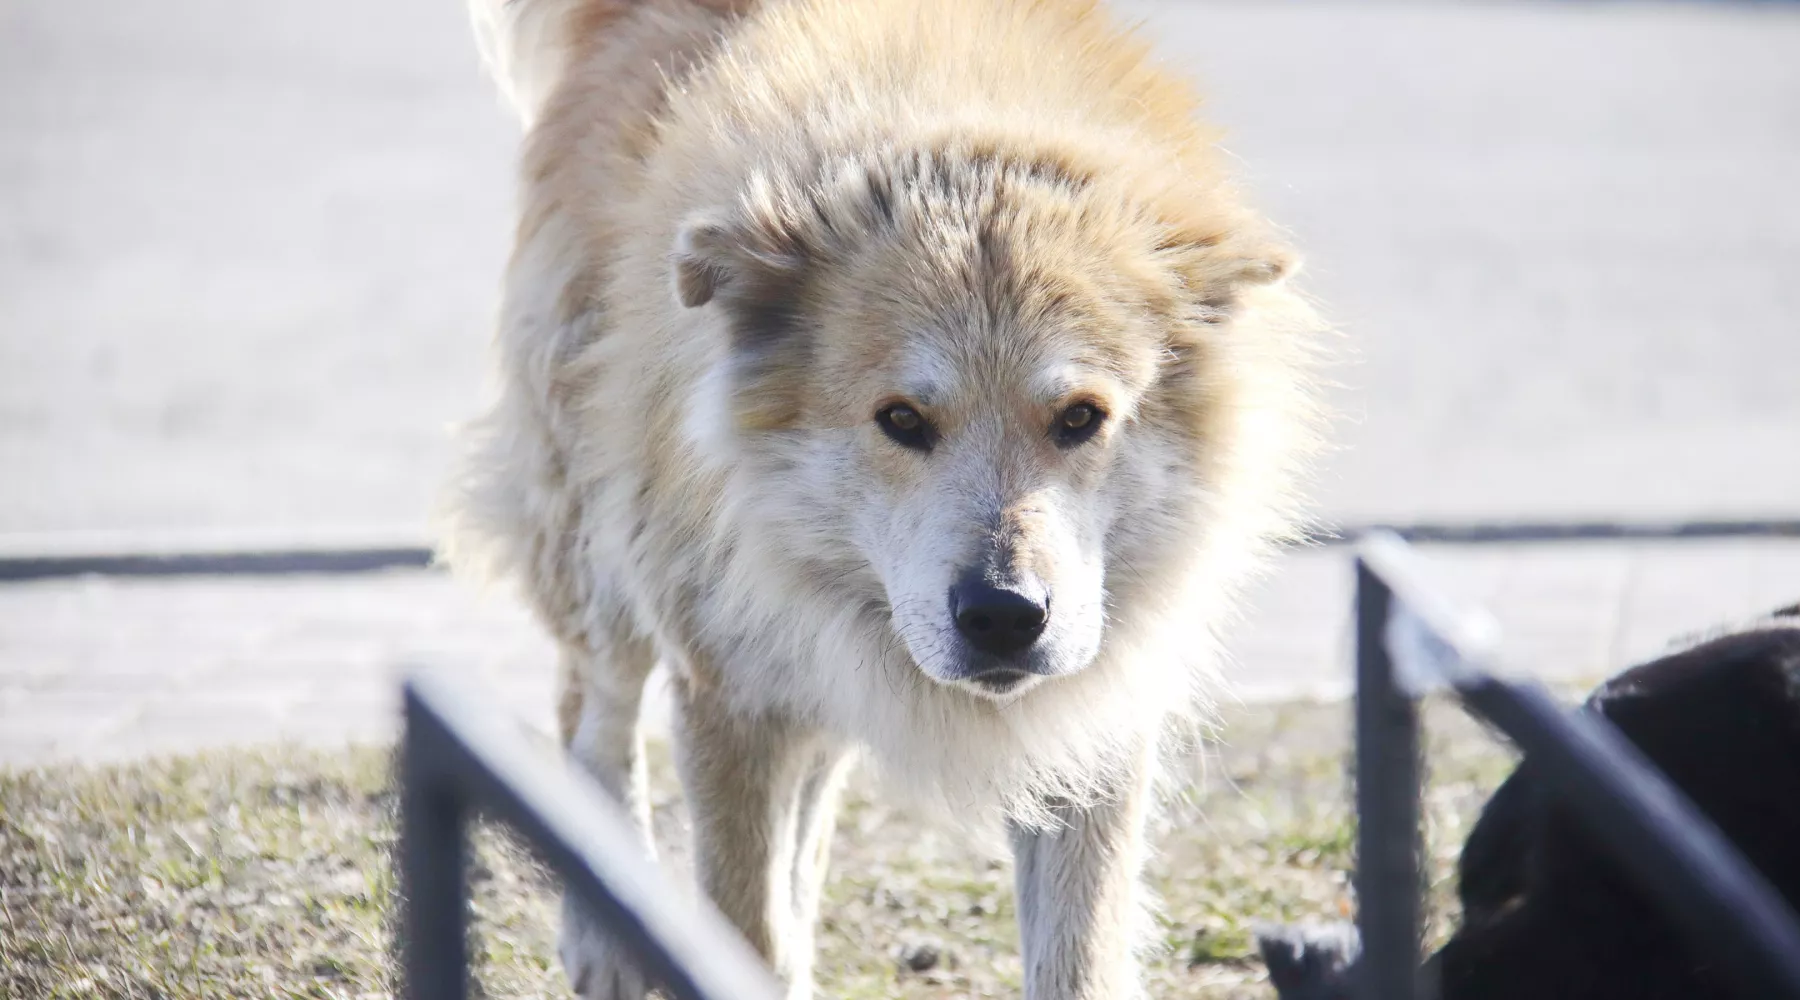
{"type": "Point", "coordinates": [999, 620]}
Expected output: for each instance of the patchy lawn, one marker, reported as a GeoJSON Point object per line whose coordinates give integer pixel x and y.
{"type": "Point", "coordinates": [267, 874]}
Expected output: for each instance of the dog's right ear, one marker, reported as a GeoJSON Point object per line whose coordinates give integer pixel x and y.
{"type": "Point", "coordinates": [751, 260]}
{"type": "Point", "coordinates": [701, 259]}
{"type": "Point", "coordinates": [753, 269]}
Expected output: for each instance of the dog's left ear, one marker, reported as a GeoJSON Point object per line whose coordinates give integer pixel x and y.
{"type": "Point", "coordinates": [1269, 264]}
{"type": "Point", "coordinates": [1218, 268]}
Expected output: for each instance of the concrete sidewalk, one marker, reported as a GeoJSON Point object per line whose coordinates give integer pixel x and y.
{"type": "Point", "coordinates": [101, 669]}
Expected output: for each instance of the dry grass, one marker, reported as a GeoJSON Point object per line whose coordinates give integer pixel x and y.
{"type": "Point", "coordinates": [267, 874]}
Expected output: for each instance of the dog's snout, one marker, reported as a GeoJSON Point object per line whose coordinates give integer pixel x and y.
{"type": "Point", "coordinates": [1001, 620]}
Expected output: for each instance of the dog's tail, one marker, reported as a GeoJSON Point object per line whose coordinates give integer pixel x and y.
{"type": "Point", "coordinates": [529, 44]}
{"type": "Point", "coordinates": [526, 45]}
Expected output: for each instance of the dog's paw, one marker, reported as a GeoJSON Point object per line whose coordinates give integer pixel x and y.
{"type": "Point", "coordinates": [597, 966]}
{"type": "Point", "coordinates": [1310, 962]}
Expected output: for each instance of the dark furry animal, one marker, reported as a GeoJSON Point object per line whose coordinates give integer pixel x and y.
{"type": "Point", "coordinates": [1547, 913]}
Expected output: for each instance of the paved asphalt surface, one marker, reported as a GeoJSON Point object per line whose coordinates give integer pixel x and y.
{"type": "Point", "coordinates": [248, 252]}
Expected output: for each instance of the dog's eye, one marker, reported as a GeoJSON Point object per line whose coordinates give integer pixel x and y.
{"type": "Point", "coordinates": [905, 426]}
{"type": "Point", "coordinates": [1078, 423]}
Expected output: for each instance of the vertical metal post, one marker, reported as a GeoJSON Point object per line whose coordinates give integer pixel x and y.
{"type": "Point", "coordinates": [1388, 845]}
{"type": "Point", "coordinates": [433, 845]}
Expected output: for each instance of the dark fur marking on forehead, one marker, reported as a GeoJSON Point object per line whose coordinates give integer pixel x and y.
{"type": "Point", "coordinates": [1005, 165]}
{"type": "Point", "coordinates": [1186, 241]}
{"type": "Point", "coordinates": [819, 218]}
{"type": "Point", "coordinates": [767, 313]}
{"type": "Point", "coordinates": [881, 199]}
{"type": "Point", "coordinates": [760, 321]}
{"type": "Point", "coordinates": [1214, 310]}
{"type": "Point", "coordinates": [812, 223]}
{"type": "Point", "coordinates": [965, 175]}
{"type": "Point", "coordinates": [982, 175]}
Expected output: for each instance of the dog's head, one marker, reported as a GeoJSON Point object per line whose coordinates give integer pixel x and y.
{"type": "Point", "coordinates": [979, 395]}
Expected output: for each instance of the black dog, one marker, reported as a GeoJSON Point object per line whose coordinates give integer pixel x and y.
{"type": "Point", "coordinates": [1547, 913]}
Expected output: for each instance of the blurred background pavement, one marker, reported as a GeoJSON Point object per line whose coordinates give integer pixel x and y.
{"type": "Point", "coordinates": [249, 254]}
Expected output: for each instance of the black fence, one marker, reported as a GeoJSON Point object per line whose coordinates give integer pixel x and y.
{"type": "Point", "coordinates": [459, 760]}
{"type": "Point", "coordinates": [22, 561]}
{"type": "Point", "coordinates": [1409, 642]}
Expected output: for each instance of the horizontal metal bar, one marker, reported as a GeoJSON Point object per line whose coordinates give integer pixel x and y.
{"type": "Point", "coordinates": [1502, 532]}
{"type": "Point", "coordinates": [1675, 855]}
{"type": "Point", "coordinates": [587, 839]}
{"type": "Point", "coordinates": [16, 569]}
{"type": "Point", "coordinates": [20, 561]}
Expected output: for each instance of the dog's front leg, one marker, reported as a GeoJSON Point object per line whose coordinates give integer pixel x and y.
{"type": "Point", "coordinates": [603, 686]}
{"type": "Point", "coordinates": [1081, 906]}
{"type": "Point", "coordinates": [761, 791]}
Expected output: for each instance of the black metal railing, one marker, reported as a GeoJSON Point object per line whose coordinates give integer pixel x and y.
{"type": "Point", "coordinates": [460, 759]}
{"type": "Point", "coordinates": [27, 558]}
{"type": "Point", "coordinates": [1411, 641]}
